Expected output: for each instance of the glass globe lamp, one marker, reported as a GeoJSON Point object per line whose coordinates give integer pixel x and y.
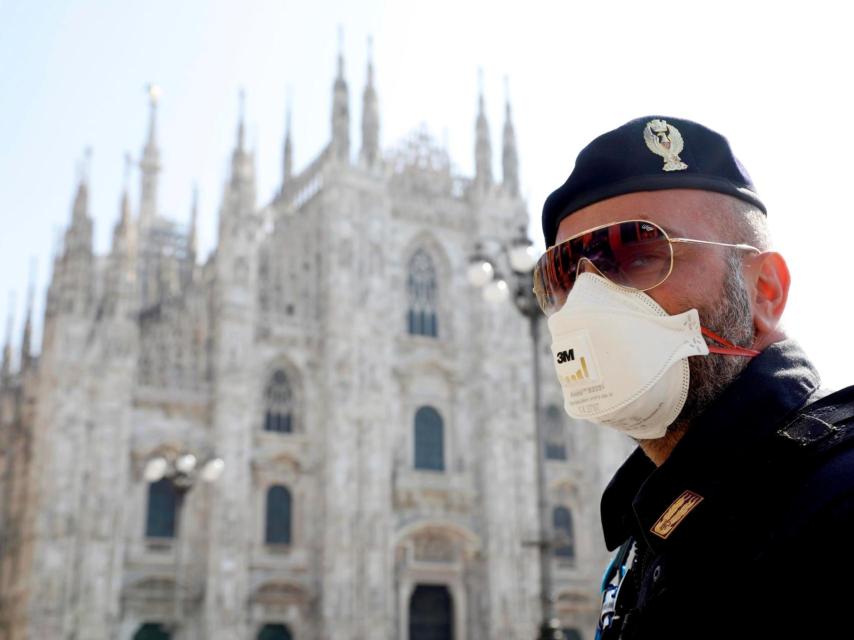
{"type": "Point", "coordinates": [496, 291]}
{"type": "Point", "coordinates": [480, 272]}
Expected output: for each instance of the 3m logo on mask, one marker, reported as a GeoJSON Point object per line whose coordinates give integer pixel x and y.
{"type": "Point", "coordinates": [565, 356]}
{"type": "Point", "coordinates": [574, 361]}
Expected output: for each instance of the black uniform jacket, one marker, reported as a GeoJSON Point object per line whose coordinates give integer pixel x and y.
{"type": "Point", "coordinates": [747, 529]}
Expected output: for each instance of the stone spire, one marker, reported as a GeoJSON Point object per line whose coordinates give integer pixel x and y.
{"type": "Point", "coordinates": [150, 164]}
{"type": "Point", "coordinates": [288, 151]}
{"type": "Point", "coordinates": [340, 109]}
{"type": "Point", "coordinates": [124, 209]}
{"type": "Point", "coordinates": [7, 345]}
{"type": "Point", "coordinates": [192, 235]}
{"type": "Point", "coordinates": [78, 236]}
{"type": "Point", "coordinates": [242, 170]}
{"type": "Point", "coordinates": [509, 155]}
{"type": "Point", "coordinates": [239, 197]}
{"type": "Point", "coordinates": [370, 116]}
{"type": "Point", "coordinates": [123, 229]}
{"type": "Point", "coordinates": [241, 122]}
{"type": "Point", "coordinates": [483, 147]}
{"type": "Point", "coordinates": [72, 285]}
{"type": "Point", "coordinates": [120, 281]}
{"type": "Point", "coordinates": [188, 267]}
{"type": "Point", "coordinates": [27, 338]}
{"type": "Point", "coordinates": [80, 208]}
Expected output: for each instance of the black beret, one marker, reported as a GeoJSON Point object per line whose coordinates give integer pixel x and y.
{"type": "Point", "coordinates": [649, 154]}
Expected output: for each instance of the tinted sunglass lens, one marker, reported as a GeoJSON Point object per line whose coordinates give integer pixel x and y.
{"type": "Point", "coordinates": [552, 282]}
{"type": "Point", "coordinates": [642, 255]}
{"type": "Point", "coordinates": [634, 254]}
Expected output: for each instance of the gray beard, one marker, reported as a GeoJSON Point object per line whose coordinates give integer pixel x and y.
{"type": "Point", "coordinates": [732, 319]}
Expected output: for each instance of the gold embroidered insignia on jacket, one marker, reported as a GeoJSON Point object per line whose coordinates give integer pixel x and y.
{"type": "Point", "coordinates": [665, 140]}
{"type": "Point", "coordinates": [675, 514]}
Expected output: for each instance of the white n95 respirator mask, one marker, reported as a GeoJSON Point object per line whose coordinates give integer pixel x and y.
{"type": "Point", "coordinates": [622, 360]}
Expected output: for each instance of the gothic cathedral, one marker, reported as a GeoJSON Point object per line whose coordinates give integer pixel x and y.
{"type": "Point", "coordinates": [321, 430]}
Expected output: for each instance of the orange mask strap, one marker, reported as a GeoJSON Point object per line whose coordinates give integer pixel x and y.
{"type": "Point", "coordinates": [728, 348]}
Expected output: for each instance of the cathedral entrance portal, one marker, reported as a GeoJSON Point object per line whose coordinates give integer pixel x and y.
{"type": "Point", "coordinates": [151, 631]}
{"type": "Point", "coordinates": [274, 632]}
{"type": "Point", "coordinates": [431, 613]}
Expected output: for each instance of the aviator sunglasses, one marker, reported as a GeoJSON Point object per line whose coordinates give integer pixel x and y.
{"type": "Point", "coordinates": [636, 254]}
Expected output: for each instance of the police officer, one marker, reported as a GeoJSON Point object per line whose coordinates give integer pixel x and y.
{"type": "Point", "coordinates": [734, 517]}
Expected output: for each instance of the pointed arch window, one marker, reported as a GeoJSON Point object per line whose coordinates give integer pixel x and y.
{"type": "Point", "coordinates": [564, 535]}
{"type": "Point", "coordinates": [422, 295]}
{"type": "Point", "coordinates": [555, 434]}
{"type": "Point", "coordinates": [279, 400]}
{"type": "Point", "coordinates": [429, 440]}
{"type": "Point", "coordinates": [162, 507]}
{"type": "Point", "coordinates": [278, 516]}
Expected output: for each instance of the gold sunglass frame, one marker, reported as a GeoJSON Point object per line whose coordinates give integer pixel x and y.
{"type": "Point", "coordinates": [670, 242]}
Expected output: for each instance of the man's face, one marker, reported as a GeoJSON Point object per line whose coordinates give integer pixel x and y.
{"type": "Point", "coordinates": [706, 278]}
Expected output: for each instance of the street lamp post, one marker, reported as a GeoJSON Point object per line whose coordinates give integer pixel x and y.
{"type": "Point", "coordinates": [521, 256]}
{"type": "Point", "coordinates": [183, 471]}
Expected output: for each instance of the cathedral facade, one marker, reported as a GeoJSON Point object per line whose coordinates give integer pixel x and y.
{"type": "Point", "coordinates": [370, 417]}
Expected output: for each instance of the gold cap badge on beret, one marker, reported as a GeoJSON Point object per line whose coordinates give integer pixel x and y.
{"type": "Point", "coordinates": [665, 140]}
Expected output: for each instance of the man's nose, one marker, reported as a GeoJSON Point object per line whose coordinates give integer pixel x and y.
{"type": "Point", "coordinates": [585, 266]}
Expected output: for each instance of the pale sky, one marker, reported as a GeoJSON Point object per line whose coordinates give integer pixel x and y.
{"type": "Point", "coordinates": [775, 78]}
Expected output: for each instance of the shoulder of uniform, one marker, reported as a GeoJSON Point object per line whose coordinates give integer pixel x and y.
{"type": "Point", "coordinates": [825, 424]}
{"type": "Point", "coordinates": [819, 440]}
{"type": "Point", "coordinates": [814, 447]}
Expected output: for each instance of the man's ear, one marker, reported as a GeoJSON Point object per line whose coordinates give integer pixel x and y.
{"type": "Point", "coordinates": [768, 281]}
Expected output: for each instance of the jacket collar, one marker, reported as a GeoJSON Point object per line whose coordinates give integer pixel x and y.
{"type": "Point", "coordinates": [774, 384]}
